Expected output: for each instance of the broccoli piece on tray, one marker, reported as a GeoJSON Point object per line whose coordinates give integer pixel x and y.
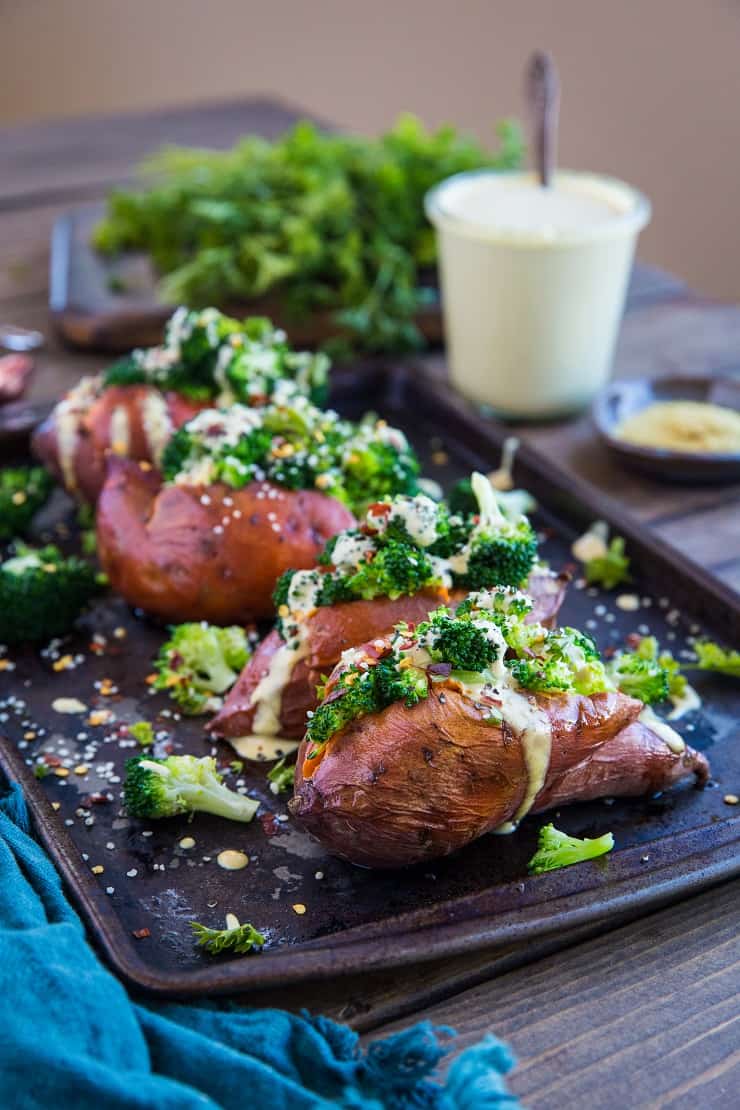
{"type": "Point", "coordinates": [236, 938]}
{"type": "Point", "coordinates": [556, 849]}
{"type": "Point", "coordinates": [200, 662]}
{"type": "Point", "coordinates": [181, 784]}
{"type": "Point", "coordinates": [42, 592]}
{"type": "Point", "coordinates": [23, 491]}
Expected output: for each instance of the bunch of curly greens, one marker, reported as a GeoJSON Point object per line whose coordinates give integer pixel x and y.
{"type": "Point", "coordinates": [295, 444]}
{"type": "Point", "coordinates": [206, 355]}
{"type": "Point", "coordinates": [328, 222]}
{"type": "Point", "coordinates": [409, 544]}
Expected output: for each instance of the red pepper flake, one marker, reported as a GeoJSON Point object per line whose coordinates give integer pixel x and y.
{"type": "Point", "coordinates": [634, 640]}
{"type": "Point", "coordinates": [96, 799]}
{"type": "Point", "coordinates": [140, 934]}
{"type": "Point", "coordinates": [51, 760]}
{"type": "Point", "coordinates": [168, 748]}
{"type": "Point", "coordinates": [379, 508]}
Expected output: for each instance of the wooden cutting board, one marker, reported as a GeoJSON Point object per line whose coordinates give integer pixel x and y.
{"type": "Point", "coordinates": [90, 313]}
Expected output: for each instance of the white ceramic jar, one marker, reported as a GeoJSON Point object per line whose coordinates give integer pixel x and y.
{"type": "Point", "coordinates": [533, 284]}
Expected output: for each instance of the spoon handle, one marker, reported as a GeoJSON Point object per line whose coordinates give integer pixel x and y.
{"type": "Point", "coordinates": [543, 94]}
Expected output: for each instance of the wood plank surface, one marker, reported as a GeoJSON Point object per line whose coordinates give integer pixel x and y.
{"type": "Point", "coordinates": [646, 1016]}
{"type": "Point", "coordinates": [642, 1016]}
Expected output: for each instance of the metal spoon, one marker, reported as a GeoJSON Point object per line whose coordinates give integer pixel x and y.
{"type": "Point", "coordinates": [543, 96]}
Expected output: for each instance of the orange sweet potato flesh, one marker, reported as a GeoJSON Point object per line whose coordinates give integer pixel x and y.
{"type": "Point", "coordinates": [93, 437]}
{"type": "Point", "coordinates": [166, 551]}
{"type": "Point", "coordinates": [409, 785]}
{"type": "Point", "coordinates": [331, 630]}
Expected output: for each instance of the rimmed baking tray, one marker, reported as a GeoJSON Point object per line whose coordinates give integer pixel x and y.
{"type": "Point", "coordinates": [666, 847]}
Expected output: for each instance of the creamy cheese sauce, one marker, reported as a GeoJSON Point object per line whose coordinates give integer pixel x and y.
{"type": "Point", "coordinates": [267, 694]}
{"type": "Point", "coordinates": [67, 426]}
{"type": "Point", "coordinates": [532, 725]}
{"type": "Point", "coordinates": [263, 748]}
{"type": "Point", "coordinates": [684, 703]}
{"type": "Point", "coordinates": [662, 729]}
{"type": "Point", "coordinates": [592, 544]}
{"type": "Point", "coordinates": [120, 431]}
{"type": "Point", "coordinates": [158, 427]}
{"type": "Point", "coordinates": [502, 479]}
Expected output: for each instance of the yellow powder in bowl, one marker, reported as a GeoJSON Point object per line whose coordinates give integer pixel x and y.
{"type": "Point", "coordinates": [694, 426]}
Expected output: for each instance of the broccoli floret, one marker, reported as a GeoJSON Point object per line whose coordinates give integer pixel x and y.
{"type": "Point", "coordinates": [353, 696]}
{"type": "Point", "coordinates": [711, 657]}
{"type": "Point", "coordinates": [556, 849]}
{"type": "Point", "coordinates": [656, 662]}
{"type": "Point", "coordinates": [281, 778]}
{"type": "Point", "coordinates": [23, 491]}
{"type": "Point", "coordinates": [376, 470]}
{"type": "Point", "coordinates": [503, 558]}
{"type": "Point", "coordinates": [181, 784]}
{"type": "Point", "coordinates": [198, 663]}
{"type": "Point", "coordinates": [459, 642]}
{"type": "Point", "coordinates": [392, 683]}
{"type": "Point", "coordinates": [396, 569]}
{"type": "Point", "coordinates": [42, 592]}
{"type": "Point", "coordinates": [236, 938]}
{"type": "Point", "coordinates": [611, 569]}
{"type": "Point", "coordinates": [639, 677]}
{"type": "Point", "coordinates": [358, 693]}
{"type": "Point", "coordinates": [142, 732]}
{"type": "Point", "coordinates": [564, 660]}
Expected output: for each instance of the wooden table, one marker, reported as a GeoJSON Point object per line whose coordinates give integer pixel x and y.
{"type": "Point", "coordinates": [625, 1015]}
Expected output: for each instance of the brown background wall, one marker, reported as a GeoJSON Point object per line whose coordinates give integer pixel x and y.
{"type": "Point", "coordinates": [651, 87]}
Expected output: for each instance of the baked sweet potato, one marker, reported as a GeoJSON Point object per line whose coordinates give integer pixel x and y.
{"type": "Point", "coordinates": [185, 552]}
{"type": "Point", "coordinates": [408, 785]}
{"type": "Point", "coordinates": [135, 421]}
{"type": "Point", "coordinates": [329, 631]}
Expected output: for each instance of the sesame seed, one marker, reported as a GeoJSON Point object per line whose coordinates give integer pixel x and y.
{"type": "Point", "coordinates": [299, 908]}
{"type": "Point", "coordinates": [731, 799]}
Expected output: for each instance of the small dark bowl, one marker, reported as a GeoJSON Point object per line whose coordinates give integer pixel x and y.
{"type": "Point", "coordinates": [624, 398]}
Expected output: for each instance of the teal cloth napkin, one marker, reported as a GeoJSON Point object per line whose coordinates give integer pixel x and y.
{"type": "Point", "coordinates": [70, 1035]}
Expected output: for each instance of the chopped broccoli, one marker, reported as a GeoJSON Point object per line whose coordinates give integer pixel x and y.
{"type": "Point", "coordinates": [711, 657]}
{"type": "Point", "coordinates": [360, 692]}
{"type": "Point", "coordinates": [513, 503]}
{"type": "Point", "coordinates": [611, 569]}
{"type": "Point", "coordinates": [459, 642]}
{"type": "Point", "coordinates": [23, 491]}
{"type": "Point", "coordinates": [281, 778]}
{"type": "Point", "coordinates": [375, 470]}
{"type": "Point", "coordinates": [42, 592]}
{"type": "Point", "coordinates": [556, 849]}
{"type": "Point", "coordinates": [396, 569]}
{"type": "Point", "coordinates": [181, 784]}
{"type": "Point", "coordinates": [88, 536]}
{"type": "Point", "coordinates": [639, 676]}
{"type": "Point", "coordinates": [198, 663]}
{"type": "Point", "coordinates": [41, 770]}
{"type": "Point", "coordinates": [207, 355]}
{"type": "Point", "coordinates": [236, 938]}
{"type": "Point", "coordinates": [501, 558]}
{"type": "Point", "coordinates": [291, 442]}
{"type": "Point", "coordinates": [142, 732]}
{"type": "Point", "coordinates": [648, 650]}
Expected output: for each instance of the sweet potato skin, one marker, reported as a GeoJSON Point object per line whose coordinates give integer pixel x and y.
{"type": "Point", "coordinates": [330, 631]}
{"type": "Point", "coordinates": [168, 550]}
{"type": "Point", "coordinates": [83, 472]}
{"type": "Point", "coordinates": [408, 785]}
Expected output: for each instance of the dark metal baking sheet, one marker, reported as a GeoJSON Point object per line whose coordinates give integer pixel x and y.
{"type": "Point", "coordinates": [666, 847]}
